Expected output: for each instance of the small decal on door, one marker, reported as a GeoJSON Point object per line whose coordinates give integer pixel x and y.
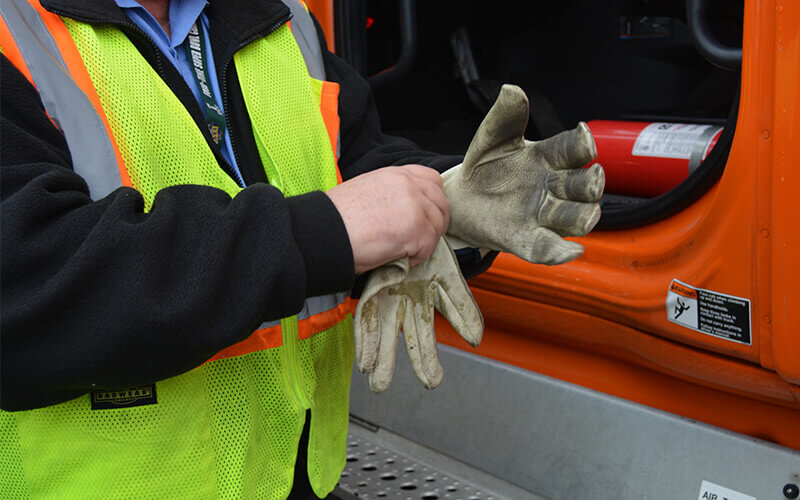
{"type": "Point", "coordinates": [712, 313]}
{"type": "Point", "coordinates": [711, 491]}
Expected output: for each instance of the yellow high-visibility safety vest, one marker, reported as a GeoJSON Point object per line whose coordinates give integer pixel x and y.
{"type": "Point", "coordinates": [229, 428]}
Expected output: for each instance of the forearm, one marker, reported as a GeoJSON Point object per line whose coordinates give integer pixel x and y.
{"type": "Point", "coordinates": [365, 147]}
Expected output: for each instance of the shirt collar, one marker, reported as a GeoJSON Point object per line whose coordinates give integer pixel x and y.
{"type": "Point", "coordinates": [182, 15]}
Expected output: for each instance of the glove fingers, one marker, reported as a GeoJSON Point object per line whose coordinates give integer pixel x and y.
{"type": "Point", "coordinates": [568, 218]}
{"type": "Point", "coordinates": [366, 336]}
{"type": "Point", "coordinates": [570, 149]}
{"type": "Point", "coordinates": [543, 246]}
{"type": "Point", "coordinates": [454, 299]}
{"type": "Point", "coordinates": [585, 184]}
{"type": "Point", "coordinates": [458, 306]}
{"type": "Point", "coordinates": [421, 342]}
{"type": "Point", "coordinates": [368, 315]}
{"type": "Point", "coordinates": [502, 128]}
{"type": "Point", "coordinates": [389, 326]}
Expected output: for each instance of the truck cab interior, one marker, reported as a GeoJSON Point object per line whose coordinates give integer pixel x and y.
{"type": "Point", "coordinates": [436, 68]}
{"type": "Point", "coordinates": [590, 381]}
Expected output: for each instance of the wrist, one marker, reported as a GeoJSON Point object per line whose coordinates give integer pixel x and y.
{"type": "Point", "coordinates": [321, 236]}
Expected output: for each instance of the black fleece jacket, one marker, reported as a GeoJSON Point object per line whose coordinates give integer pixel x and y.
{"type": "Point", "coordinates": [100, 294]}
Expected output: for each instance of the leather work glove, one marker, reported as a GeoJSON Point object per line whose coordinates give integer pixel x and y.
{"type": "Point", "coordinates": [509, 195]}
{"type": "Point", "coordinates": [397, 296]}
{"type": "Point", "coordinates": [522, 197]}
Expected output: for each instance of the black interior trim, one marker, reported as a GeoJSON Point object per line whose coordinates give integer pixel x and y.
{"type": "Point", "coordinates": [407, 10]}
{"type": "Point", "coordinates": [351, 37]}
{"type": "Point", "coordinates": [686, 193]}
{"type": "Point", "coordinates": [715, 52]}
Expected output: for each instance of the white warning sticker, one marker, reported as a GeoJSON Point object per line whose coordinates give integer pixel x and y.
{"type": "Point", "coordinates": [708, 312]}
{"type": "Point", "coordinates": [671, 140]}
{"type": "Point", "coordinates": [711, 491]}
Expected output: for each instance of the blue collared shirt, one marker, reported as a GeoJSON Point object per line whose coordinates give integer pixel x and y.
{"type": "Point", "coordinates": [182, 15]}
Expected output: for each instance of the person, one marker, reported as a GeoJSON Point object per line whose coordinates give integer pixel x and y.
{"type": "Point", "coordinates": [174, 312]}
{"type": "Point", "coordinates": [190, 191]}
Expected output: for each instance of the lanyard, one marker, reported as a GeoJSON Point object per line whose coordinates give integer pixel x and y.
{"type": "Point", "coordinates": [196, 47]}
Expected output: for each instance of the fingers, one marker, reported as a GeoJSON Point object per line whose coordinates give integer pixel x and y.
{"type": "Point", "coordinates": [438, 208]}
{"type": "Point", "coordinates": [391, 213]}
{"type": "Point", "coordinates": [568, 218]}
{"type": "Point", "coordinates": [584, 184]}
{"type": "Point", "coordinates": [389, 329]}
{"type": "Point", "coordinates": [569, 149]}
{"type": "Point", "coordinates": [423, 172]}
{"type": "Point", "coordinates": [422, 252]}
{"type": "Point", "coordinates": [420, 340]}
{"type": "Point", "coordinates": [547, 247]}
{"type": "Point", "coordinates": [435, 207]}
{"type": "Point", "coordinates": [503, 127]}
{"type": "Point", "coordinates": [429, 217]}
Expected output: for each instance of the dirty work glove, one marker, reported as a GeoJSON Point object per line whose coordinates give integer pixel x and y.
{"type": "Point", "coordinates": [397, 296]}
{"type": "Point", "coordinates": [519, 196]}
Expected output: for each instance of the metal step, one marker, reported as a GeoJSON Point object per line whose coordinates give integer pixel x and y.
{"type": "Point", "coordinates": [565, 441]}
{"type": "Point", "coordinates": [382, 465]}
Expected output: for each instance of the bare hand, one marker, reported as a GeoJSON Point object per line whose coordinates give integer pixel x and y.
{"type": "Point", "coordinates": [391, 213]}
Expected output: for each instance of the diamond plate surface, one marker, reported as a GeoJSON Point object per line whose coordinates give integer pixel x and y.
{"type": "Point", "coordinates": [377, 472]}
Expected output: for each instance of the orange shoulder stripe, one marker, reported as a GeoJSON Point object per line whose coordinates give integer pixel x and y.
{"type": "Point", "coordinates": [12, 52]}
{"type": "Point", "coordinates": [329, 106]}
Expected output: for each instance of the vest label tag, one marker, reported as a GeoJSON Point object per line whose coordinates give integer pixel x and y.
{"type": "Point", "coordinates": [125, 398]}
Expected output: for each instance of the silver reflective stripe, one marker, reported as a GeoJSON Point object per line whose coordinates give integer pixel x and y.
{"type": "Point", "coordinates": [89, 144]}
{"type": "Point", "coordinates": [305, 33]}
{"type": "Point", "coordinates": [696, 156]}
{"type": "Point", "coordinates": [316, 305]}
{"type": "Point", "coordinates": [312, 306]}
{"type": "Point", "coordinates": [19, 15]}
{"type": "Point", "coordinates": [268, 324]}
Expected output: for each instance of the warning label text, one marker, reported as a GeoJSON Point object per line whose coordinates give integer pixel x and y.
{"type": "Point", "coordinates": [709, 312]}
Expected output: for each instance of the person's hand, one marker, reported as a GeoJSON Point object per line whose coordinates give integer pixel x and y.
{"type": "Point", "coordinates": [399, 296]}
{"type": "Point", "coordinates": [522, 197]}
{"type": "Point", "coordinates": [392, 213]}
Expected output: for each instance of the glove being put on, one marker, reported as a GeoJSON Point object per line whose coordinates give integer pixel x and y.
{"type": "Point", "coordinates": [522, 197]}
{"type": "Point", "coordinates": [397, 296]}
{"type": "Point", "coordinates": [509, 195]}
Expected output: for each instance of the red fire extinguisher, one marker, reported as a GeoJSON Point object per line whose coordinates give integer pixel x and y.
{"type": "Point", "coordinates": [647, 159]}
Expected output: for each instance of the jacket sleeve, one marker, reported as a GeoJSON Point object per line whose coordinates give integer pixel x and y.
{"type": "Point", "coordinates": [101, 295]}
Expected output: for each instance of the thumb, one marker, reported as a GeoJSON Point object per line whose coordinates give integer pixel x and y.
{"type": "Point", "coordinates": [502, 129]}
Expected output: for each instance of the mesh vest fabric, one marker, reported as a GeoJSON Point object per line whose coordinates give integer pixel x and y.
{"type": "Point", "coordinates": [229, 428]}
